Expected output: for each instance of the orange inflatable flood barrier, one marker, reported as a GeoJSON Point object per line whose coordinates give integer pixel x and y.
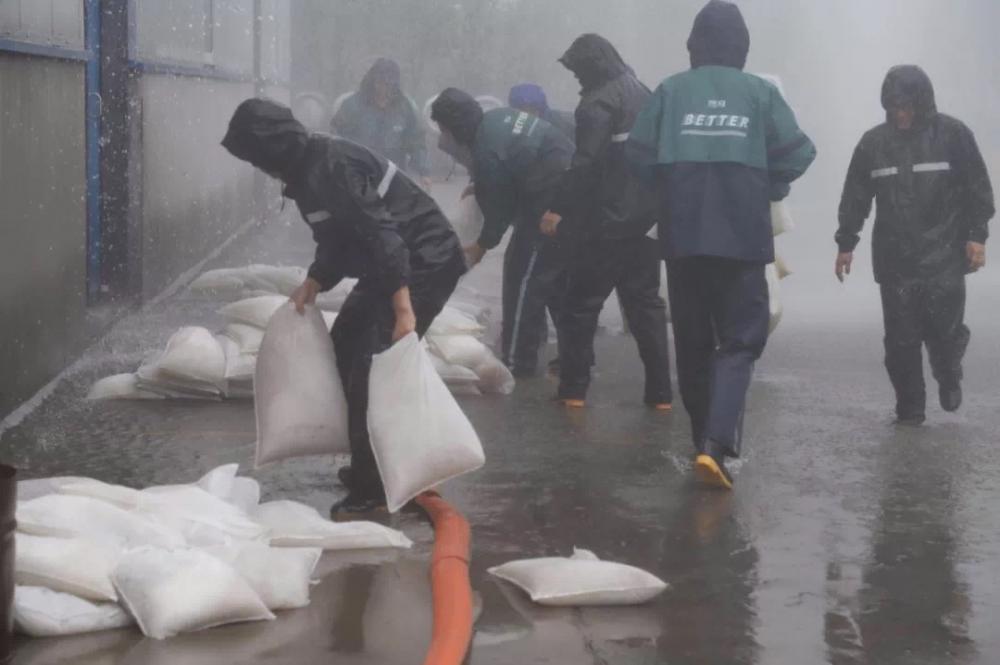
{"type": "Point", "coordinates": [452, 592]}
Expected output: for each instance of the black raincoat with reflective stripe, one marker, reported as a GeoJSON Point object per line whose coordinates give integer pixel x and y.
{"type": "Point", "coordinates": [930, 183]}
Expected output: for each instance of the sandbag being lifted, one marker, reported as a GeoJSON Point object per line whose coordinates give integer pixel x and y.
{"type": "Point", "coordinates": [419, 434]}
{"type": "Point", "coordinates": [299, 399]}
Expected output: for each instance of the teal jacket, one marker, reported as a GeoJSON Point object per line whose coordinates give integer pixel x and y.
{"type": "Point", "coordinates": [720, 145]}
{"type": "Point", "coordinates": [517, 160]}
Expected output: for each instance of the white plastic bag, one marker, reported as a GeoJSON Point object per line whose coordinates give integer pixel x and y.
{"type": "Point", "coordinates": [239, 366]}
{"type": "Point", "coordinates": [468, 223]}
{"type": "Point", "coordinates": [299, 399]}
{"type": "Point", "coordinates": [580, 580]}
{"type": "Point", "coordinates": [253, 311]}
{"type": "Point", "coordinates": [64, 516]}
{"type": "Point", "coordinates": [495, 378]}
{"type": "Point", "coordinates": [222, 482]}
{"type": "Point", "coordinates": [464, 350]}
{"type": "Point", "coordinates": [71, 565]}
{"type": "Point", "coordinates": [774, 296]}
{"type": "Point", "coordinates": [120, 386]}
{"type": "Point", "coordinates": [294, 524]}
{"type": "Point", "coordinates": [183, 590]}
{"type": "Point", "coordinates": [41, 612]}
{"type": "Point", "coordinates": [247, 338]}
{"type": "Point", "coordinates": [781, 219]}
{"type": "Point", "coordinates": [453, 374]}
{"type": "Point", "coordinates": [281, 576]}
{"type": "Point", "coordinates": [419, 434]}
{"type": "Point", "coordinates": [119, 495]}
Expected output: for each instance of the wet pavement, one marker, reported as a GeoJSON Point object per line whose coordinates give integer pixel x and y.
{"type": "Point", "coordinates": [847, 541]}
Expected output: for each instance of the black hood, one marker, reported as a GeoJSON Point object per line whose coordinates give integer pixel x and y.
{"type": "Point", "coordinates": [386, 70]}
{"type": "Point", "coordinates": [906, 85]}
{"type": "Point", "coordinates": [266, 134]}
{"type": "Point", "coordinates": [594, 61]}
{"type": "Point", "coordinates": [459, 113]}
{"type": "Point", "coordinates": [719, 36]}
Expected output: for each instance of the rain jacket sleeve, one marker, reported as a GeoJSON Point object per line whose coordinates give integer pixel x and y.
{"type": "Point", "coordinates": [974, 178]}
{"type": "Point", "coordinates": [497, 197]}
{"type": "Point", "coordinates": [789, 150]}
{"type": "Point", "coordinates": [856, 201]}
{"type": "Point", "coordinates": [643, 143]}
{"type": "Point", "coordinates": [326, 265]}
{"type": "Point", "coordinates": [415, 141]}
{"type": "Point", "coordinates": [352, 198]}
{"type": "Point", "coordinates": [594, 123]}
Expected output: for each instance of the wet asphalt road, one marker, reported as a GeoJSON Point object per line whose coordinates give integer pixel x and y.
{"type": "Point", "coordinates": [847, 541]}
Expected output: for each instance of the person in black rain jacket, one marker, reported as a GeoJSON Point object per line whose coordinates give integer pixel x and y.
{"type": "Point", "coordinates": [934, 199]}
{"type": "Point", "coordinates": [370, 222]}
{"type": "Point", "coordinates": [610, 216]}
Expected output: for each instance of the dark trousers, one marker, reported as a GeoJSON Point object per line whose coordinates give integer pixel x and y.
{"type": "Point", "coordinates": [534, 280]}
{"type": "Point", "coordinates": [719, 309]}
{"type": "Point", "coordinates": [918, 313]}
{"type": "Point", "coordinates": [363, 328]}
{"type": "Point", "coordinates": [630, 266]}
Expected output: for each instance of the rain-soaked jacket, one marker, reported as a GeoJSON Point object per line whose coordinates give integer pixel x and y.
{"type": "Point", "coordinates": [720, 145]}
{"type": "Point", "coordinates": [930, 182]}
{"type": "Point", "coordinates": [396, 132]}
{"type": "Point", "coordinates": [369, 221]}
{"type": "Point", "coordinates": [600, 189]}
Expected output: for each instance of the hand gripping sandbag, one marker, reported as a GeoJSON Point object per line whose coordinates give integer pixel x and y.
{"type": "Point", "coordinates": [299, 400]}
{"type": "Point", "coordinates": [419, 434]}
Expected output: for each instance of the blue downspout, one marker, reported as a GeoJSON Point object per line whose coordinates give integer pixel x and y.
{"type": "Point", "coordinates": [92, 40]}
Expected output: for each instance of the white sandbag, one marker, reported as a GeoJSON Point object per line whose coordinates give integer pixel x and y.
{"type": "Point", "coordinates": [239, 366]}
{"type": "Point", "coordinates": [278, 279]}
{"type": "Point", "coordinates": [294, 524]}
{"type": "Point", "coordinates": [781, 219]}
{"type": "Point", "coordinates": [329, 318]}
{"type": "Point", "coordinates": [223, 483]}
{"type": "Point", "coordinates": [151, 378]}
{"type": "Point", "coordinates": [126, 498]}
{"type": "Point", "coordinates": [71, 565]}
{"type": "Point", "coordinates": [183, 590]}
{"type": "Point", "coordinates": [464, 350]}
{"type": "Point", "coordinates": [580, 580]}
{"type": "Point", "coordinates": [774, 296]}
{"type": "Point", "coordinates": [120, 386]}
{"type": "Point", "coordinates": [495, 378]}
{"type": "Point", "coordinates": [253, 311]}
{"type": "Point", "coordinates": [247, 337]}
{"type": "Point", "coordinates": [193, 353]}
{"type": "Point", "coordinates": [41, 612]}
{"type": "Point", "coordinates": [281, 576]}
{"type": "Point", "coordinates": [468, 223]}
{"type": "Point", "coordinates": [453, 321]}
{"type": "Point", "coordinates": [453, 374]}
{"type": "Point", "coordinates": [221, 280]}
{"type": "Point", "coordinates": [202, 518]}
{"type": "Point", "coordinates": [419, 435]}
{"type": "Point", "coordinates": [783, 269]}
{"type": "Point", "coordinates": [64, 516]}
{"type": "Point", "coordinates": [299, 399]}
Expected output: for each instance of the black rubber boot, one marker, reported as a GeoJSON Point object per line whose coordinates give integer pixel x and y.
{"type": "Point", "coordinates": [950, 396]}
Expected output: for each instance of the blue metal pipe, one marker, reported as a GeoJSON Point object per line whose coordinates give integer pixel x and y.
{"type": "Point", "coordinates": [92, 31]}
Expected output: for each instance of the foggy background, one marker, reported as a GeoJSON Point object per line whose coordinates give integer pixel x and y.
{"type": "Point", "coordinates": [830, 56]}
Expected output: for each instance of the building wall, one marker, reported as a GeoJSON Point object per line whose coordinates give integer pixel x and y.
{"type": "Point", "coordinates": [42, 221]}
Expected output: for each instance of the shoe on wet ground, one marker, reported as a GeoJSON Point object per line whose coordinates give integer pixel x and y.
{"type": "Point", "coordinates": [571, 403]}
{"type": "Point", "coordinates": [661, 406]}
{"type": "Point", "coordinates": [345, 476]}
{"type": "Point", "coordinates": [712, 472]}
{"type": "Point", "coordinates": [950, 396]}
{"type": "Point", "coordinates": [353, 508]}
{"type": "Point", "coordinates": [910, 421]}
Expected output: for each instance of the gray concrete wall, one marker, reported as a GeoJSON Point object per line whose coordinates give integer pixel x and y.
{"type": "Point", "coordinates": [194, 194]}
{"type": "Point", "coordinates": [42, 221]}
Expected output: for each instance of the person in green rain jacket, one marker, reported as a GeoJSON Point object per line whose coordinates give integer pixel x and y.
{"type": "Point", "coordinates": [718, 145]}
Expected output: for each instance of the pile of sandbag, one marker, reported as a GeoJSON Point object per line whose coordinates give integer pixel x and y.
{"type": "Point", "coordinates": [172, 559]}
{"type": "Point", "coordinates": [198, 364]}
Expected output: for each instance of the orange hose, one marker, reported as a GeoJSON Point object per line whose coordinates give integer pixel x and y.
{"type": "Point", "coordinates": [452, 592]}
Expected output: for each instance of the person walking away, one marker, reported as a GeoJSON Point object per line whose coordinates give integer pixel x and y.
{"type": "Point", "coordinates": [610, 215]}
{"type": "Point", "coordinates": [369, 221]}
{"type": "Point", "coordinates": [515, 160]}
{"type": "Point", "coordinates": [934, 200]}
{"type": "Point", "coordinates": [382, 118]}
{"type": "Point", "coordinates": [720, 145]}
